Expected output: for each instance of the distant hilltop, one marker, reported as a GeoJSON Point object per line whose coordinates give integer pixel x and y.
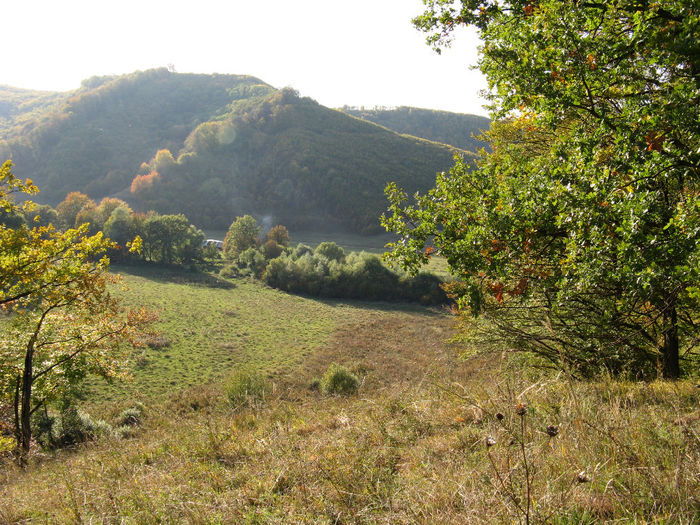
{"type": "Point", "coordinates": [218, 146]}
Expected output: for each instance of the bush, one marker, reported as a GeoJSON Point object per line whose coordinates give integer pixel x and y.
{"type": "Point", "coordinates": [339, 380]}
{"type": "Point", "coordinates": [272, 249]}
{"type": "Point", "coordinates": [247, 387]}
{"type": "Point", "coordinates": [251, 261]}
{"type": "Point", "coordinates": [230, 271]}
{"type": "Point", "coordinates": [331, 250]}
{"type": "Point", "coordinates": [130, 417]}
{"type": "Point", "coordinates": [70, 427]}
{"type": "Point", "coordinates": [302, 249]}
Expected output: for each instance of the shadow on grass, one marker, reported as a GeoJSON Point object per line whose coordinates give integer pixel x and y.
{"type": "Point", "coordinates": [179, 275]}
{"type": "Point", "coordinates": [173, 274]}
{"type": "Point", "coordinates": [379, 306]}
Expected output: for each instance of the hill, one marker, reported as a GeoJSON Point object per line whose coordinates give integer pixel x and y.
{"type": "Point", "coordinates": [24, 107]}
{"type": "Point", "coordinates": [291, 158]}
{"type": "Point", "coordinates": [216, 146]}
{"type": "Point", "coordinates": [455, 129]}
{"type": "Point", "coordinates": [96, 138]}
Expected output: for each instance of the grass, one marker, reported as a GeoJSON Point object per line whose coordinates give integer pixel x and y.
{"type": "Point", "coordinates": [428, 438]}
{"type": "Point", "coordinates": [403, 451]}
{"type": "Point", "coordinates": [209, 327]}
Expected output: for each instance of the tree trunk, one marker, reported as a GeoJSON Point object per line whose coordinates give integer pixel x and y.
{"type": "Point", "coordinates": [672, 369]}
{"type": "Point", "coordinates": [25, 428]}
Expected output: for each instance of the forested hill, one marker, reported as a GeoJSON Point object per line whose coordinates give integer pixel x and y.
{"type": "Point", "coordinates": [456, 129]}
{"type": "Point", "coordinates": [212, 147]}
{"type": "Point", "coordinates": [97, 137]}
{"type": "Point", "coordinates": [24, 106]}
{"type": "Point", "coordinates": [289, 157]}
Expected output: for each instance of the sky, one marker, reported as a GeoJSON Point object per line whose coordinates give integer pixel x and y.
{"type": "Point", "coordinates": [358, 53]}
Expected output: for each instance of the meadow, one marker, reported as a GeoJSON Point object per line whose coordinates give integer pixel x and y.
{"type": "Point", "coordinates": [427, 438]}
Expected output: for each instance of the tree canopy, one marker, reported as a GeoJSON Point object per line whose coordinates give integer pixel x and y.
{"type": "Point", "coordinates": [577, 237]}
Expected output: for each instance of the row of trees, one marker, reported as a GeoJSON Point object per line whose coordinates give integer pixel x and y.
{"type": "Point", "coordinates": [163, 239]}
{"type": "Point", "coordinates": [576, 237]}
{"type": "Point", "coordinates": [323, 272]}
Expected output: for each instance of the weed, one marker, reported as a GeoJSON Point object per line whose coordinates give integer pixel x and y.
{"type": "Point", "coordinates": [339, 380]}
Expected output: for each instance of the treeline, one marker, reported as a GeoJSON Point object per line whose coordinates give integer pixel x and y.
{"type": "Point", "coordinates": [326, 271]}
{"type": "Point", "coordinates": [171, 239]}
{"type": "Point", "coordinates": [151, 237]}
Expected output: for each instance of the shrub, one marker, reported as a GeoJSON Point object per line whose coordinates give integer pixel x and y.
{"type": "Point", "coordinates": [130, 417]}
{"type": "Point", "coordinates": [302, 249]}
{"type": "Point", "coordinates": [70, 427]}
{"type": "Point", "coordinates": [339, 380]}
{"type": "Point", "coordinates": [230, 271]}
{"type": "Point", "coordinates": [247, 387]}
{"type": "Point", "coordinates": [272, 249]}
{"type": "Point", "coordinates": [330, 250]}
{"type": "Point", "coordinates": [252, 261]}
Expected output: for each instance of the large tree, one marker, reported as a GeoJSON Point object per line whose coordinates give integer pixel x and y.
{"type": "Point", "coordinates": [577, 236]}
{"type": "Point", "coordinates": [243, 233]}
{"type": "Point", "coordinates": [61, 321]}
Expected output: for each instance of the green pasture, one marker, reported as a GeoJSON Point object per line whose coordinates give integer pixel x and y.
{"type": "Point", "coordinates": [208, 327]}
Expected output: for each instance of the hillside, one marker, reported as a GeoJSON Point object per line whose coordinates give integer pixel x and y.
{"type": "Point", "coordinates": [455, 129]}
{"type": "Point", "coordinates": [291, 158]}
{"type": "Point", "coordinates": [96, 138]}
{"type": "Point", "coordinates": [234, 145]}
{"type": "Point", "coordinates": [428, 438]}
{"type": "Point", "coordinates": [24, 107]}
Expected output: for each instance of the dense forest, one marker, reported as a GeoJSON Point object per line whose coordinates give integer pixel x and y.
{"type": "Point", "coordinates": [217, 146]}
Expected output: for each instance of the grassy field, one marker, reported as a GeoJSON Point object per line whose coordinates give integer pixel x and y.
{"type": "Point", "coordinates": [210, 327]}
{"type": "Point", "coordinates": [428, 438]}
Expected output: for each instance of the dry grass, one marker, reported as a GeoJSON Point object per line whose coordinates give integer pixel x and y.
{"type": "Point", "coordinates": [409, 448]}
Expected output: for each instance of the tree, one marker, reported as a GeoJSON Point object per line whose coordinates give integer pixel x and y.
{"type": "Point", "coordinates": [279, 234]}
{"type": "Point", "coordinates": [69, 208]}
{"type": "Point", "coordinates": [120, 227]}
{"type": "Point", "coordinates": [62, 321]}
{"type": "Point", "coordinates": [243, 233]}
{"type": "Point", "coordinates": [577, 237]}
{"type": "Point", "coordinates": [171, 239]}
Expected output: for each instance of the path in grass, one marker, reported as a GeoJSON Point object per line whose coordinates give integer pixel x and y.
{"type": "Point", "coordinates": [210, 330]}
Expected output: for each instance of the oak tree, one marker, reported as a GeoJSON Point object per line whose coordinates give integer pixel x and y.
{"type": "Point", "coordinates": [577, 236]}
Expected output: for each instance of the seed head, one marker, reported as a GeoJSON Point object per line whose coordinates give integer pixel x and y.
{"type": "Point", "coordinates": [552, 430]}
{"type": "Point", "coordinates": [499, 416]}
{"type": "Point", "coordinates": [490, 442]}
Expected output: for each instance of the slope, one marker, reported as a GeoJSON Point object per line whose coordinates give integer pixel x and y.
{"type": "Point", "coordinates": [289, 157]}
{"type": "Point", "coordinates": [96, 138]}
{"type": "Point", "coordinates": [456, 129]}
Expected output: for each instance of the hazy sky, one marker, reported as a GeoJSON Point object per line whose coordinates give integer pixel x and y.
{"type": "Point", "coordinates": [364, 52]}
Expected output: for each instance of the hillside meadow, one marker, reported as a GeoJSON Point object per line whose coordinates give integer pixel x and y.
{"type": "Point", "coordinates": [427, 438]}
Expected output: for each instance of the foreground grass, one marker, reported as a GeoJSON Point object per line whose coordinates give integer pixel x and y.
{"type": "Point", "coordinates": [402, 451]}
{"type": "Point", "coordinates": [428, 438]}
